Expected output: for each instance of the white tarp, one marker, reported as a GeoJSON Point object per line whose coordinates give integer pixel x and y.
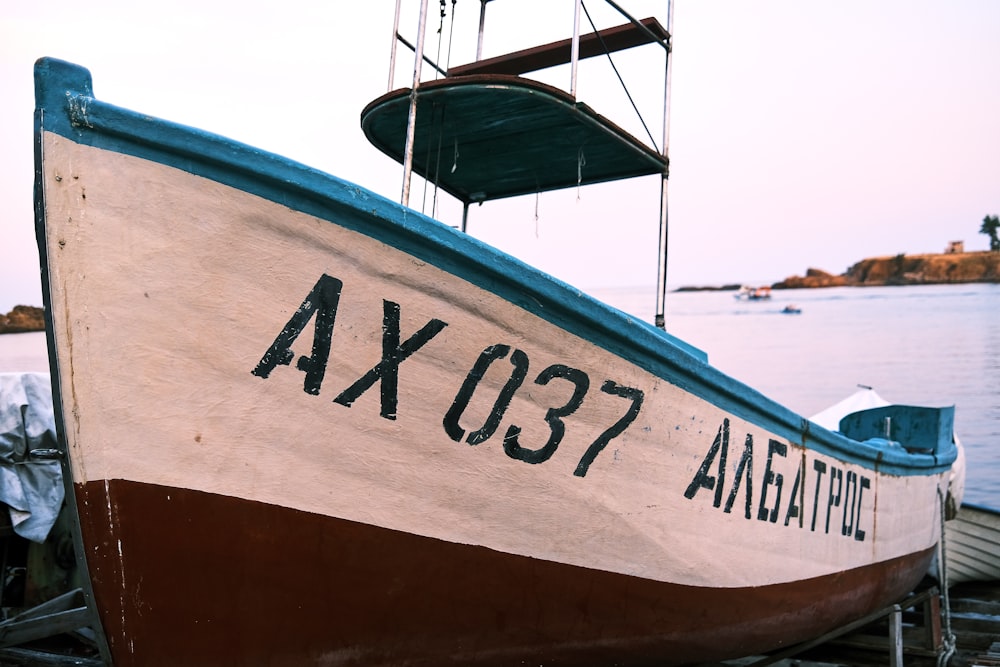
{"type": "Point", "coordinates": [31, 487]}
{"type": "Point", "coordinates": [864, 399]}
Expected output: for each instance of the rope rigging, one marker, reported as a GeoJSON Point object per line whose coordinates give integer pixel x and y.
{"type": "Point", "coordinates": [607, 52]}
{"type": "Point", "coordinates": [447, 64]}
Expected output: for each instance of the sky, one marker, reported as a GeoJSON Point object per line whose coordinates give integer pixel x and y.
{"type": "Point", "coordinates": [801, 134]}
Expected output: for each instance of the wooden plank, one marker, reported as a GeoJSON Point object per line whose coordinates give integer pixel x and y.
{"type": "Point", "coordinates": [23, 657]}
{"type": "Point", "coordinates": [614, 39]}
{"type": "Point", "coordinates": [69, 600]}
{"type": "Point", "coordinates": [932, 622]}
{"type": "Point", "coordinates": [40, 627]}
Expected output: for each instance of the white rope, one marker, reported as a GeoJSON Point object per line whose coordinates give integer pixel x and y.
{"type": "Point", "coordinates": [440, 31]}
{"type": "Point", "coordinates": [948, 638]}
{"type": "Point", "coordinates": [451, 33]}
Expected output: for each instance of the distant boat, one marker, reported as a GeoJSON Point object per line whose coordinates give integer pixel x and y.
{"type": "Point", "coordinates": [791, 309]}
{"type": "Point", "coordinates": [749, 293]}
{"type": "Point", "coordinates": [307, 425]}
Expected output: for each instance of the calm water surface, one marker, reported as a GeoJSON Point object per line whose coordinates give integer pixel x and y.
{"type": "Point", "coordinates": [23, 352]}
{"type": "Point", "coordinates": [931, 345]}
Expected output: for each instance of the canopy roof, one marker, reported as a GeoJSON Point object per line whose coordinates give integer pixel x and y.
{"type": "Point", "coordinates": [489, 136]}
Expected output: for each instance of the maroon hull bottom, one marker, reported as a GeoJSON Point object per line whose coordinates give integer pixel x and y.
{"type": "Point", "coordinates": [191, 578]}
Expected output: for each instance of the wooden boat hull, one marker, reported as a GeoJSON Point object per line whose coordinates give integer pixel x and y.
{"type": "Point", "coordinates": [972, 543]}
{"type": "Point", "coordinates": [307, 426]}
{"type": "Point", "coordinates": [387, 597]}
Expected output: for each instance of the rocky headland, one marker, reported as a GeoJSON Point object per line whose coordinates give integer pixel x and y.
{"type": "Point", "coordinates": [23, 319]}
{"type": "Point", "coordinates": [903, 269]}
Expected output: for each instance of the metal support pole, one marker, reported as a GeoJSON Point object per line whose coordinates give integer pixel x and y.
{"type": "Point", "coordinates": [392, 49]}
{"type": "Point", "coordinates": [661, 273]}
{"type": "Point", "coordinates": [482, 27]}
{"type": "Point", "coordinates": [465, 216]}
{"type": "Point", "coordinates": [575, 50]}
{"type": "Point", "coordinates": [896, 637]}
{"type": "Point", "coordinates": [661, 277]}
{"type": "Point", "coordinates": [411, 121]}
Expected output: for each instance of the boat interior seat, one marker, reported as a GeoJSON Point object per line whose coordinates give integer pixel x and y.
{"type": "Point", "coordinates": [918, 429]}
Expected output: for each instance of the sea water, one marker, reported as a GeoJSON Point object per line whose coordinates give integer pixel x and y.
{"type": "Point", "coordinates": [934, 345]}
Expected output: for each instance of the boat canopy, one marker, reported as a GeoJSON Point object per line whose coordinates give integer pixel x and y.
{"type": "Point", "coordinates": [485, 132]}
{"type": "Point", "coordinates": [488, 136]}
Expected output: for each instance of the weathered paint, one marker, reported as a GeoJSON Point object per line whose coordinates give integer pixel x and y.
{"type": "Point", "coordinates": [191, 363]}
{"type": "Point", "coordinates": [222, 581]}
{"type": "Point", "coordinates": [228, 343]}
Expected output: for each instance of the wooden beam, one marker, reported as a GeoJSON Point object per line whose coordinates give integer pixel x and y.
{"type": "Point", "coordinates": [558, 53]}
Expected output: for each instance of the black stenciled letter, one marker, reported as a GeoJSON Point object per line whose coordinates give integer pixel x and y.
{"type": "Point", "coordinates": [794, 499]}
{"type": "Point", "coordinates": [851, 491]}
{"type": "Point", "coordinates": [597, 446]}
{"type": "Point", "coordinates": [451, 426]}
{"type": "Point", "coordinates": [511, 441]}
{"type": "Point", "coordinates": [702, 480]}
{"type": "Point", "coordinates": [745, 466]}
{"type": "Point", "coordinates": [859, 534]}
{"type": "Point", "coordinates": [836, 475]}
{"type": "Point", "coordinates": [779, 448]}
{"type": "Point", "coordinates": [323, 301]}
{"type": "Point", "coordinates": [393, 354]}
{"type": "Point", "coordinates": [820, 468]}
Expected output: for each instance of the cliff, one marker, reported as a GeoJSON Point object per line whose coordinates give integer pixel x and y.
{"type": "Point", "coordinates": [902, 269]}
{"type": "Point", "coordinates": [22, 319]}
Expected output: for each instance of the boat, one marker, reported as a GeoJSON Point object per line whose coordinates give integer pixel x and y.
{"type": "Point", "coordinates": [791, 309]}
{"type": "Point", "coordinates": [972, 544]}
{"type": "Point", "coordinates": [303, 424]}
{"type": "Point", "coordinates": [748, 293]}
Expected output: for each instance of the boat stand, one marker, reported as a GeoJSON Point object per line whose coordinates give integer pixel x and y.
{"type": "Point", "coordinates": [46, 620]}
{"type": "Point", "coordinates": [65, 613]}
{"type": "Point", "coordinates": [924, 638]}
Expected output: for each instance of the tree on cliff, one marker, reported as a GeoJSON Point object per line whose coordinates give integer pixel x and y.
{"type": "Point", "coordinates": [991, 224]}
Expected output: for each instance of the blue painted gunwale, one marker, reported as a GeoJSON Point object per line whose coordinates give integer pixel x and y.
{"type": "Point", "coordinates": [65, 105]}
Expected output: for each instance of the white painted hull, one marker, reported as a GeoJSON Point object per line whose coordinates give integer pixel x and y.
{"type": "Point", "coordinates": [218, 348]}
{"type": "Point", "coordinates": [176, 366]}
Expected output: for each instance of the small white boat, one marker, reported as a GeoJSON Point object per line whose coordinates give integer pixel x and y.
{"type": "Point", "coordinates": [748, 293]}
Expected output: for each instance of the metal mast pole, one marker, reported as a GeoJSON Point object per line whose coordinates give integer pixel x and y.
{"type": "Point", "coordinates": [482, 27]}
{"type": "Point", "coordinates": [661, 278]}
{"type": "Point", "coordinates": [411, 121]}
{"type": "Point", "coordinates": [575, 49]}
{"type": "Point", "coordinates": [392, 50]}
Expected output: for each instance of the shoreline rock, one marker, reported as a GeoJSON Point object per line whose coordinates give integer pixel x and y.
{"type": "Point", "coordinates": [709, 288]}
{"type": "Point", "coordinates": [23, 319]}
{"type": "Point", "coordinates": [902, 269]}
